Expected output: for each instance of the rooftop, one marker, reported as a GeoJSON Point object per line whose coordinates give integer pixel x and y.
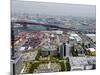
{"type": "Point", "coordinates": [29, 56]}
{"type": "Point", "coordinates": [49, 47]}
{"type": "Point", "coordinates": [79, 61]}
{"type": "Point", "coordinates": [49, 67]}
{"type": "Point", "coordinates": [75, 36]}
{"type": "Point", "coordinates": [91, 49]}
{"type": "Point", "coordinates": [92, 36]}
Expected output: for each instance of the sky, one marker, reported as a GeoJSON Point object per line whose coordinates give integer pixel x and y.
{"type": "Point", "coordinates": [59, 9]}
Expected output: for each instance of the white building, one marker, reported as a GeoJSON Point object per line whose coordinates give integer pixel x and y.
{"type": "Point", "coordinates": [22, 49]}
{"type": "Point", "coordinates": [82, 63]}
{"type": "Point", "coordinates": [92, 36]}
{"type": "Point", "coordinates": [75, 37]}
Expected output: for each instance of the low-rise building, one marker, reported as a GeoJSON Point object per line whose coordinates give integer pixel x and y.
{"type": "Point", "coordinates": [49, 49]}
{"type": "Point", "coordinates": [49, 67]}
{"type": "Point", "coordinates": [92, 36]}
{"type": "Point", "coordinates": [82, 63]}
{"type": "Point", "coordinates": [30, 56]}
{"type": "Point", "coordinates": [75, 37]}
{"type": "Point", "coordinates": [80, 52]}
{"type": "Point", "coordinates": [92, 51]}
{"type": "Point", "coordinates": [22, 49]}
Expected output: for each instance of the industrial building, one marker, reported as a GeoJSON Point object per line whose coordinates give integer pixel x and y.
{"type": "Point", "coordinates": [82, 63]}
{"type": "Point", "coordinates": [75, 37]}
{"type": "Point", "coordinates": [53, 32]}
{"type": "Point", "coordinates": [92, 36]}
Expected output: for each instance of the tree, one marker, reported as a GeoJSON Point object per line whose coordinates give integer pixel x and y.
{"type": "Point", "coordinates": [83, 45]}
{"type": "Point", "coordinates": [74, 53]}
{"type": "Point", "coordinates": [68, 65]}
{"type": "Point", "coordinates": [62, 66]}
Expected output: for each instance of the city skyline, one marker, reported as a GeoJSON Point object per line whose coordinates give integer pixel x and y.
{"type": "Point", "coordinates": [52, 37]}
{"type": "Point", "coordinates": [53, 8]}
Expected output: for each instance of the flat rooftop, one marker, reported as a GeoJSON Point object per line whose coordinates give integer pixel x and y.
{"type": "Point", "coordinates": [30, 56]}
{"type": "Point", "coordinates": [48, 67]}
{"type": "Point", "coordinates": [91, 49]}
{"type": "Point", "coordinates": [49, 48]}
{"type": "Point", "coordinates": [81, 61]}
{"type": "Point", "coordinates": [92, 36]}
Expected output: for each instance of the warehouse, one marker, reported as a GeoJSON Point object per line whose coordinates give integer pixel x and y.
{"type": "Point", "coordinates": [82, 63]}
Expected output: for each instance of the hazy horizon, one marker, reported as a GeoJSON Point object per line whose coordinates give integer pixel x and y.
{"type": "Point", "coordinates": [61, 9]}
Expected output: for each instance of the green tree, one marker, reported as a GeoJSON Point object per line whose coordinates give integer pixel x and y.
{"type": "Point", "coordinates": [74, 53]}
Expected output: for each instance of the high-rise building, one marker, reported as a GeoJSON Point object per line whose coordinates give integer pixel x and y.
{"type": "Point", "coordinates": [64, 50]}
{"type": "Point", "coordinates": [16, 65]}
